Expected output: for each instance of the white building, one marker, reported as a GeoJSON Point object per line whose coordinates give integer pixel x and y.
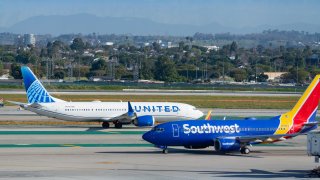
{"type": "Point", "coordinates": [29, 39]}
{"type": "Point", "coordinates": [274, 76]}
{"type": "Point", "coordinates": [215, 48]}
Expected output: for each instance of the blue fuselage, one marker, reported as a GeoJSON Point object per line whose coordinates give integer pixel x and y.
{"type": "Point", "coordinates": [204, 132]}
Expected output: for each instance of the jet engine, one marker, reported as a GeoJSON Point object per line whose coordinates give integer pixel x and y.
{"type": "Point", "coordinates": [227, 144]}
{"type": "Point", "coordinates": [144, 121]}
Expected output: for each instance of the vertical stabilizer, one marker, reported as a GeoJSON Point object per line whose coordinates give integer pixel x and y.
{"type": "Point", "coordinates": [36, 93]}
{"type": "Point", "coordinates": [303, 112]}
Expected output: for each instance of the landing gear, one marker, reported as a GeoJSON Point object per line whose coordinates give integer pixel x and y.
{"type": "Point", "coordinates": [117, 124]}
{"type": "Point", "coordinates": [105, 125]}
{"type": "Point", "coordinates": [245, 150]}
{"type": "Point", "coordinates": [165, 151]}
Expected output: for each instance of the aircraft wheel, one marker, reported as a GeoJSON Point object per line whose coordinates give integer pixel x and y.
{"type": "Point", "coordinates": [165, 151]}
{"type": "Point", "coordinates": [245, 150]}
{"type": "Point", "coordinates": [118, 125]}
{"type": "Point", "coordinates": [105, 125]}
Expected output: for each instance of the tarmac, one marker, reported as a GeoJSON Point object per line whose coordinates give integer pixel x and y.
{"type": "Point", "coordinates": [94, 153]}
{"type": "Point", "coordinates": [90, 152]}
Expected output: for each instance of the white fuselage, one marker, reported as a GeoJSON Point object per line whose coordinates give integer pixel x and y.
{"type": "Point", "coordinates": [105, 111]}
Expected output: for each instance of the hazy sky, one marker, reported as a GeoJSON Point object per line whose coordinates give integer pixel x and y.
{"type": "Point", "coordinates": [237, 13]}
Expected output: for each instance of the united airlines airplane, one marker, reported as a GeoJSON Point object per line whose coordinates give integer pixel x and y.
{"type": "Point", "coordinates": [236, 135]}
{"type": "Point", "coordinates": [138, 113]}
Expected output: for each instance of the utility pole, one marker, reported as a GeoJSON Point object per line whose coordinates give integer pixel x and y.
{"type": "Point", "coordinates": [256, 71]}
{"type": "Point", "coordinates": [223, 71]}
{"type": "Point", "coordinates": [78, 68]}
{"type": "Point", "coordinates": [297, 73]}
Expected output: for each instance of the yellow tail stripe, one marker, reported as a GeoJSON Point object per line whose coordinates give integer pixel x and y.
{"type": "Point", "coordinates": [208, 117]}
{"type": "Point", "coordinates": [286, 120]}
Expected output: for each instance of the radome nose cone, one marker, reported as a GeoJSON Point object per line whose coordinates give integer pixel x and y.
{"type": "Point", "coordinates": [146, 136]}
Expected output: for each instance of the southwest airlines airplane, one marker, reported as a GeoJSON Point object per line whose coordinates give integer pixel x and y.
{"type": "Point", "coordinates": [138, 113]}
{"type": "Point", "coordinates": [236, 135]}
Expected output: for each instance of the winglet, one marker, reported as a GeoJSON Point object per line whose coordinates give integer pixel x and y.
{"type": "Point", "coordinates": [130, 109]}
{"type": "Point", "coordinates": [208, 117]}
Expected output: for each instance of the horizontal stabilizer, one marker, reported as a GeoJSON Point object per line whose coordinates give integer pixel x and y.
{"type": "Point", "coordinates": [23, 105]}
{"type": "Point", "coordinates": [311, 123]}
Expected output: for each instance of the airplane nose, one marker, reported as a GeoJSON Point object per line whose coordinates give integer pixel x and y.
{"type": "Point", "coordinates": [147, 136]}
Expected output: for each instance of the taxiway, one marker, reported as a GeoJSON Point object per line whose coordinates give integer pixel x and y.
{"type": "Point", "coordinates": [94, 153]}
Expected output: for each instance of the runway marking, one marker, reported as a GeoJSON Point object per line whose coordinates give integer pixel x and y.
{"type": "Point", "coordinates": [71, 145]}
{"type": "Point", "coordinates": [22, 144]}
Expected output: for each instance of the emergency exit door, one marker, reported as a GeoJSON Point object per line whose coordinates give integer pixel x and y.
{"type": "Point", "coordinates": [175, 129]}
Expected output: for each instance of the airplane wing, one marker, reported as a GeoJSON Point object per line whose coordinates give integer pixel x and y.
{"type": "Point", "coordinates": [262, 138]}
{"type": "Point", "coordinates": [124, 118]}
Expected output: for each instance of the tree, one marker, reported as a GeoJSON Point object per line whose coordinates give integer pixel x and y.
{"type": "Point", "coordinates": [78, 45]}
{"type": "Point", "coordinates": [165, 70]}
{"type": "Point", "coordinates": [59, 74]}
{"type": "Point", "coordinates": [156, 46]}
{"type": "Point", "coordinates": [239, 75]}
{"type": "Point", "coordinates": [299, 77]}
{"type": "Point", "coordinates": [120, 72]}
{"type": "Point", "coordinates": [147, 69]}
{"type": "Point", "coordinates": [1, 68]}
{"type": "Point", "coordinates": [16, 71]}
{"type": "Point", "coordinates": [233, 47]}
{"type": "Point", "coordinates": [22, 57]}
{"type": "Point", "coordinates": [262, 77]}
{"type": "Point", "coordinates": [99, 65]}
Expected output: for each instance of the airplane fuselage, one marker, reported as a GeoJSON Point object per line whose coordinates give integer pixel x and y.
{"type": "Point", "coordinates": [204, 132]}
{"type": "Point", "coordinates": [103, 111]}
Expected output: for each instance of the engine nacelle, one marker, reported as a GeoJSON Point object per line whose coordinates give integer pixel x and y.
{"type": "Point", "coordinates": [227, 144]}
{"type": "Point", "coordinates": [144, 121]}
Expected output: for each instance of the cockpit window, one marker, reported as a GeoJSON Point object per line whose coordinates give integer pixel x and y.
{"type": "Point", "coordinates": [159, 129]}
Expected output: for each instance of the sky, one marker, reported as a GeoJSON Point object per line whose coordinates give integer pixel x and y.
{"type": "Point", "coordinates": [236, 13]}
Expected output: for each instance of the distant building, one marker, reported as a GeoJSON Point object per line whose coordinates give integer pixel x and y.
{"type": "Point", "coordinates": [274, 76]}
{"type": "Point", "coordinates": [215, 48]}
{"type": "Point", "coordinates": [19, 41]}
{"type": "Point", "coordinates": [109, 43]}
{"type": "Point", "coordinates": [171, 45]}
{"type": "Point", "coordinates": [29, 39]}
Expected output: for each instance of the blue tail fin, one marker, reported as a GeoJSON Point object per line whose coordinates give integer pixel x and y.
{"type": "Point", "coordinates": [36, 93]}
{"type": "Point", "coordinates": [130, 109]}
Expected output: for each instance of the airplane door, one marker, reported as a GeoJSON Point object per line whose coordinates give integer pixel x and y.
{"type": "Point", "coordinates": [175, 129]}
